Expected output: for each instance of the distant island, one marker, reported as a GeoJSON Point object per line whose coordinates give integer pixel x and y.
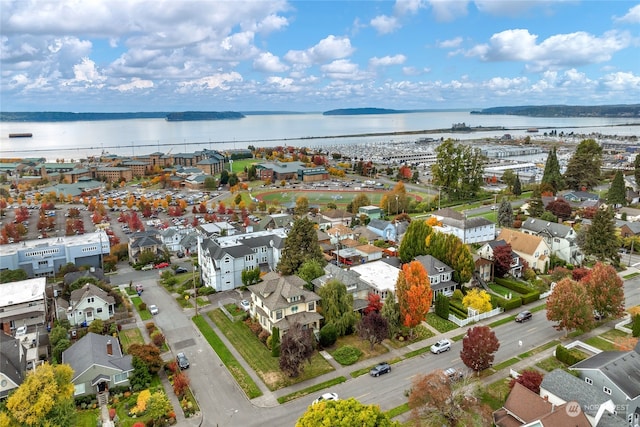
{"type": "Point", "coordinates": [362, 111]}
{"type": "Point", "coordinates": [58, 116]}
{"type": "Point", "coordinates": [632, 110]}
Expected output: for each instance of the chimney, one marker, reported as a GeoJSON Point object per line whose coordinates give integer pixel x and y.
{"type": "Point", "coordinates": [109, 348]}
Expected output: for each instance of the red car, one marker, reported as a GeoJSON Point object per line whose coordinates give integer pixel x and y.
{"type": "Point", "coordinates": [162, 265]}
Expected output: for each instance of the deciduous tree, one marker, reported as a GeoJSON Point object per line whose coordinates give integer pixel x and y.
{"type": "Point", "coordinates": [434, 401]}
{"type": "Point", "coordinates": [477, 299]}
{"type": "Point", "coordinates": [605, 290]}
{"type": "Point", "coordinates": [530, 378]}
{"type": "Point", "coordinates": [479, 346]}
{"type": "Point", "coordinates": [391, 312]}
{"type": "Point", "coordinates": [414, 242]}
{"type": "Point", "coordinates": [300, 245]}
{"type": "Point", "coordinates": [502, 259]}
{"type": "Point", "coordinates": [414, 294]}
{"type": "Point", "coordinates": [45, 398]}
{"type": "Point", "coordinates": [310, 270]}
{"type": "Point", "coordinates": [560, 208]}
{"type": "Point", "coordinates": [302, 205]}
{"type": "Point", "coordinates": [373, 328]}
{"type": "Point", "coordinates": [149, 354]}
{"type": "Point", "coordinates": [296, 347]}
{"type": "Point", "coordinates": [345, 413]}
{"type": "Point", "coordinates": [158, 406]}
{"type": "Point", "coordinates": [337, 306]}
{"type": "Point", "coordinates": [452, 251]}
{"type": "Point", "coordinates": [570, 306]}
{"type": "Point", "coordinates": [374, 303]}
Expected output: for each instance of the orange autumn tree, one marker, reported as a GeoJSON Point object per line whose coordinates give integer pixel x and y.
{"type": "Point", "coordinates": [414, 293]}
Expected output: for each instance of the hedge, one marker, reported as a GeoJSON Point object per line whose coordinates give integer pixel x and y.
{"type": "Point", "coordinates": [513, 285]}
{"type": "Point", "coordinates": [568, 356]}
{"type": "Point", "coordinates": [530, 297]}
{"type": "Point", "coordinates": [506, 304]}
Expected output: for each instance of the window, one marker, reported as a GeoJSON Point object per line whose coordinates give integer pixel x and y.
{"type": "Point", "coordinates": [78, 389]}
{"type": "Point", "coordinates": [606, 390]}
{"type": "Point", "coordinates": [99, 310]}
{"type": "Point", "coordinates": [278, 314]}
{"type": "Point", "coordinates": [556, 240]}
{"type": "Point", "coordinates": [118, 378]}
{"type": "Point", "coordinates": [294, 309]}
{"type": "Point", "coordinates": [588, 380]}
{"type": "Point", "coordinates": [311, 306]}
{"type": "Point", "coordinates": [294, 298]}
{"type": "Point", "coordinates": [90, 299]}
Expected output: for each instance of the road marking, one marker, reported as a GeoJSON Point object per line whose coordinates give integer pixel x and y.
{"type": "Point", "coordinates": [363, 395]}
{"type": "Point", "coordinates": [532, 329]}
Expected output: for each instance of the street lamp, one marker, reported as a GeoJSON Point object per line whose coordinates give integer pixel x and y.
{"type": "Point", "coordinates": [397, 208]}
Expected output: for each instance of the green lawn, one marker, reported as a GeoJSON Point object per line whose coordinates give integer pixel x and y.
{"type": "Point", "coordinates": [614, 334]}
{"type": "Point", "coordinates": [312, 389]}
{"type": "Point", "coordinates": [241, 376]}
{"type": "Point", "coordinates": [130, 336]}
{"type": "Point", "coordinates": [259, 356]}
{"type": "Point", "coordinates": [87, 418]}
{"type": "Point", "coordinates": [600, 343]}
{"type": "Point", "coordinates": [440, 324]}
{"type": "Point", "coordinates": [144, 314]}
{"type": "Point", "coordinates": [550, 363]}
{"type": "Point", "coordinates": [501, 290]}
{"type": "Point", "coordinates": [495, 394]}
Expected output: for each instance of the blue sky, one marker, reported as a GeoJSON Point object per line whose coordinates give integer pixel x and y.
{"type": "Point", "coordinates": [178, 55]}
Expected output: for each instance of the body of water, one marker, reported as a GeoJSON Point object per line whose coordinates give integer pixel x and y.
{"type": "Point", "coordinates": [74, 140]}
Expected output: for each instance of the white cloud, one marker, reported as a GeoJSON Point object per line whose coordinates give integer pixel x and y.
{"type": "Point", "coordinates": [134, 84]}
{"type": "Point", "coordinates": [450, 44]}
{"type": "Point", "coordinates": [327, 49]}
{"type": "Point", "coordinates": [632, 17]}
{"type": "Point", "coordinates": [448, 10]}
{"type": "Point", "coordinates": [87, 72]}
{"type": "Point", "coordinates": [269, 63]}
{"type": "Point", "coordinates": [561, 50]}
{"type": "Point", "coordinates": [405, 7]}
{"type": "Point", "coordinates": [343, 69]}
{"type": "Point", "coordinates": [216, 81]}
{"type": "Point", "coordinates": [283, 84]}
{"type": "Point", "coordinates": [622, 82]}
{"type": "Point", "coordinates": [385, 24]}
{"type": "Point", "coordinates": [414, 71]}
{"type": "Point", "coordinates": [387, 60]}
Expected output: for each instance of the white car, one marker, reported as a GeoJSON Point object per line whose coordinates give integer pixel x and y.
{"type": "Point", "coordinates": [245, 305]}
{"type": "Point", "coordinates": [325, 397]}
{"type": "Point", "coordinates": [153, 309]}
{"type": "Point", "coordinates": [440, 346]}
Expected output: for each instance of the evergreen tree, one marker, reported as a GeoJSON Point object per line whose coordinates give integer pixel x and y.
{"type": "Point", "coordinates": [391, 312]}
{"type": "Point", "coordinates": [505, 214]}
{"type": "Point", "coordinates": [517, 186]}
{"type": "Point", "coordinates": [414, 242]}
{"type": "Point", "coordinates": [337, 306]}
{"type": "Point", "coordinates": [636, 170]}
{"type": "Point", "coordinates": [583, 169]}
{"type": "Point", "coordinates": [442, 306]}
{"type": "Point", "coordinates": [617, 191]}
{"type": "Point", "coordinates": [536, 207]}
{"type": "Point", "coordinates": [552, 173]}
{"type": "Point", "coordinates": [600, 238]}
{"type": "Point", "coordinates": [300, 245]}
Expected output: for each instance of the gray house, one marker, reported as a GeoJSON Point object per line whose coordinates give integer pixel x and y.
{"type": "Point", "coordinates": [561, 239]}
{"type": "Point", "coordinates": [98, 364]}
{"type": "Point", "coordinates": [617, 374]}
{"type": "Point", "coordinates": [13, 355]}
{"type": "Point", "coordinates": [385, 229]}
{"type": "Point", "coordinates": [440, 276]}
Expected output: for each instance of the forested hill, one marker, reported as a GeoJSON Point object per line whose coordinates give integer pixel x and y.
{"type": "Point", "coordinates": [59, 116]}
{"type": "Point", "coordinates": [632, 110]}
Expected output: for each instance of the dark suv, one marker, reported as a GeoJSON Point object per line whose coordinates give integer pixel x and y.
{"type": "Point", "coordinates": [380, 369]}
{"type": "Point", "coordinates": [523, 316]}
{"type": "Point", "coordinates": [183, 362]}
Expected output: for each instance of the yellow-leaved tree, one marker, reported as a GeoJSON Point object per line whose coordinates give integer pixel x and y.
{"type": "Point", "coordinates": [478, 299]}
{"type": "Point", "coordinates": [44, 398]}
{"type": "Point", "coordinates": [345, 413]}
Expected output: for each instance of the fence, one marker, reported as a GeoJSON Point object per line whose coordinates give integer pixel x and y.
{"type": "Point", "coordinates": [622, 325]}
{"type": "Point", "coordinates": [475, 318]}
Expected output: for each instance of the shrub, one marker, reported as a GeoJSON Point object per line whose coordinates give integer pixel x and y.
{"type": "Point", "coordinates": [253, 326]}
{"type": "Point", "coordinates": [263, 335]}
{"type": "Point", "coordinates": [442, 306]}
{"type": "Point", "coordinates": [150, 327]}
{"type": "Point", "coordinates": [347, 355]}
{"type": "Point", "coordinates": [457, 295]}
{"type": "Point", "coordinates": [139, 424]}
{"type": "Point", "coordinates": [520, 288]}
{"type": "Point", "coordinates": [635, 326]}
{"type": "Point", "coordinates": [506, 304]}
{"type": "Point", "coordinates": [142, 306]}
{"type": "Point", "coordinates": [328, 335]}
{"type": "Point", "coordinates": [530, 297]}
{"type": "Point", "coordinates": [570, 357]}
{"type": "Point", "coordinates": [275, 342]}
{"type": "Point", "coordinates": [158, 338]}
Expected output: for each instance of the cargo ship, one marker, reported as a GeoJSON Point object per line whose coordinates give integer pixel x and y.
{"type": "Point", "coordinates": [20, 135]}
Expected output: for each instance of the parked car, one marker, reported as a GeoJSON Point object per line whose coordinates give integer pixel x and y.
{"type": "Point", "coordinates": [153, 309]}
{"type": "Point", "coordinates": [440, 346]}
{"type": "Point", "coordinates": [147, 267]}
{"type": "Point", "coordinates": [379, 369]}
{"type": "Point", "coordinates": [325, 397]}
{"type": "Point", "coordinates": [453, 374]}
{"type": "Point", "coordinates": [523, 316]}
{"type": "Point", "coordinates": [181, 270]}
{"type": "Point", "coordinates": [162, 265]}
{"type": "Point", "coordinates": [245, 305]}
{"type": "Point", "coordinates": [180, 254]}
{"type": "Point", "coordinates": [183, 362]}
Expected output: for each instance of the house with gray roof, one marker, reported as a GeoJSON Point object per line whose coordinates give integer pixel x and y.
{"type": "Point", "coordinates": [617, 374]}
{"type": "Point", "coordinates": [561, 239]}
{"type": "Point", "coordinates": [282, 301]}
{"type": "Point", "coordinates": [88, 304]}
{"type": "Point", "coordinates": [559, 387]}
{"type": "Point", "coordinates": [98, 364]}
{"type": "Point", "coordinates": [273, 221]}
{"type": "Point", "coordinates": [440, 276]}
{"type": "Point", "coordinates": [145, 241]}
{"type": "Point", "coordinates": [385, 230]}
{"type": "Point", "coordinates": [357, 287]}
{"type": "Point", "coordinates": [486, 253]}
{"type": "Point", "coordinates": [469, 230]}
{"type": "Point", "coordinates": [13, 355]}
{"type": "Point", "coordinates": [223, 259]}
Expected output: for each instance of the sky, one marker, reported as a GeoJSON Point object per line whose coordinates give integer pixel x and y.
{"type": "Point", "coordinates": [311, 56]}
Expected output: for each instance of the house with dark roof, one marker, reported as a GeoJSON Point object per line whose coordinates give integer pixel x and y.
{"type": "Point", "coordinates": [486, 253]}
{"type": "Point", "coordinates": [362, 232]}
{"type": "Point", "coordinates": [469, 230]}
{"type": "Point", "coordinates": [282, 301]}
{"type": "Point", "coordinates": [617, 374]}
{"type": "Point", "coordinates": [273, 221]}
{"type": "Point", "coordinates": [630, 229]}
{"type": "Point", "coordinates": [525, 408]}
{"type": "Point", "coordinates": [357, 287]}
{"type": "Point", "coordinates": [98, 364]}
{"type": "Point", "coordinates": [580, 196]}
{"type": "Point", "coordinates": [223, 259]}
{"type": "Point", "coordinates": [13, 363]}
{"type": "Point", "coordinates": [88, 304]}
{"type": "Point", "coordinates": [337, 217]}
{"type": "Point", "coordinates": [440, 276]}
{"type": "Point", "coordinates": [145, 241]}
{"type": "Point", "coordinates": [385, 230]}
{"type": "Point", "coordinates": [559, 387]}
{"type": "Point", "coordinates": [93, 272]}
{"type": "Point", "coordinates": [561, 239]}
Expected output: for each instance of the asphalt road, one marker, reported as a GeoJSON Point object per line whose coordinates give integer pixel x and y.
{"type": "Point", "coordinates": [224, 404]}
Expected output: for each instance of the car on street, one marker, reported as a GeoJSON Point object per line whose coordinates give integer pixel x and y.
{"type": "Point", "coordinates": [326, 397]}
{"type": "Point", "coordinates": [153, 309]}
{"type": "Point", "coordinates": [181, 270]}
{"type": "Point", "coordinates": [379, 369]}
{"type": "Point", "coordinates": [147, 267]}
{"type": "Point", "coordinates": [162, 265]}
{"type": "Point", "coordinates": [440, 346]}
{"type": "Point", "coordinates": [183, 362]}
{"type": "Point", "coordinates": [245, 305]}
{"type": "Point", "coordinates": [523, 316]}
{"type": "Point", "coordinates": [453, 374]}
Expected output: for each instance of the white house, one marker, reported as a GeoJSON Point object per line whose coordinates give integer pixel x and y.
{"type": "Point", "coordinates": [561, 239]}
{"type": "Point", "coordinates": [379, 275]}
{"type": "Point", "coordinates": [440, 275]}
{"type": "Point", "coordinates": [88, 304]}
{"type": "Point", "coordinates": [23, 303]}
{"type": "Point", "coordinates": [469, 230]}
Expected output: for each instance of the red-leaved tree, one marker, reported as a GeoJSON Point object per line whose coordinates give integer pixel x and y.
{"type": "Point", "coordinates": [502, 260]}
{"type": "Point", "coordinates": [180, 383]}
{"type": "Point", "coordinates": [530, 378]}
{"type": "Point", "coordinates": [605, 290]}
{"type": "Point", "coordinates": [569, 305]}
{"type": "Point", "coordinates": [374, 303]}
{"type": "Point", "coordinates": [479, 346]}
{"type": "Point", "coordinates": [373, 328]}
